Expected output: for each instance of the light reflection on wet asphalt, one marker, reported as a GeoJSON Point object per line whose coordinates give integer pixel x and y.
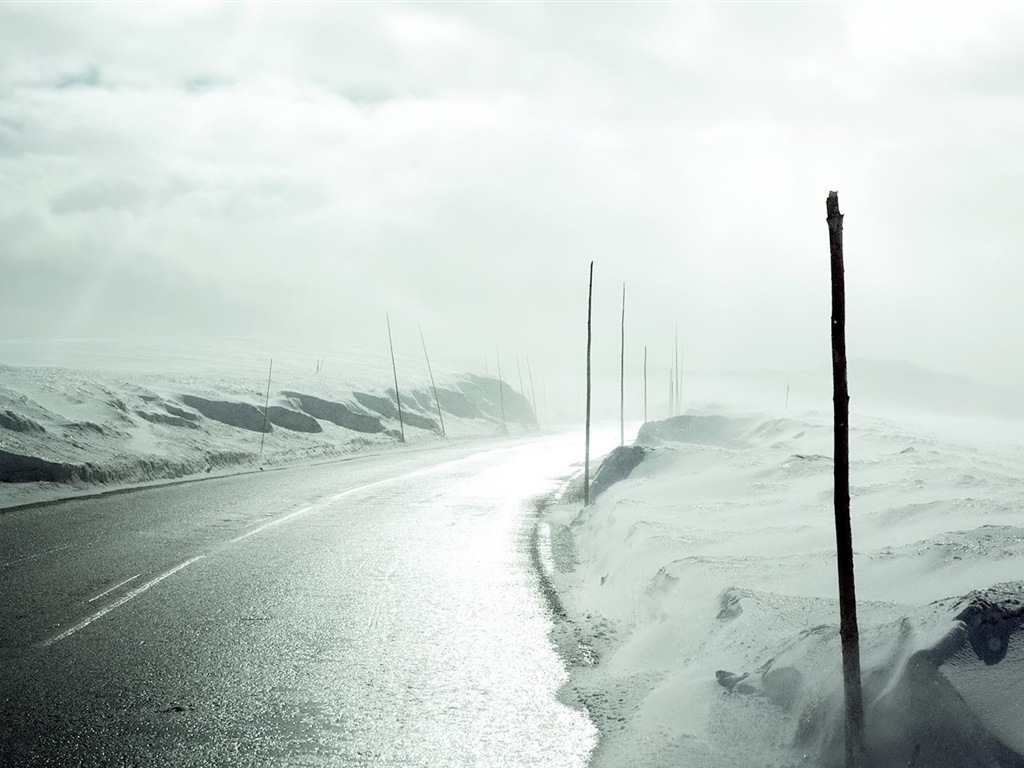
{"type": "Point", "coordinates": [400, 624]}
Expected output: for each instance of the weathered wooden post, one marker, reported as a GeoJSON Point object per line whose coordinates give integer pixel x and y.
{"type": "Point", "coordinates": [586, 455]}
{"type": "Point", "coordinates": [522, 390]}
{"type": "Point", "coordinates": [533, 394]}
{"type": "Point", "coordinates": [433, 386]}
{"type": "Point", "coordinates": [848, 631]}
{"type": "Point", "coordinates": [394, 369]}
{"type": "Point", "coordinates": [266, 405]}
{"type": "Point", "coordinates": [501, 392]}
{"type": "Point", "coordinates": [645, 383]}
{"type": "Point", "coordinates": [671, 391]}
{"type": "Point", "coordinates": [622, 374]}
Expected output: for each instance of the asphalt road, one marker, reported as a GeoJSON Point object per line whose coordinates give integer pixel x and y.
{"type": "Point", "coordinates": [381, 611]}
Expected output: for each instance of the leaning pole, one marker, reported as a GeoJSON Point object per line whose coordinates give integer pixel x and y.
{"type": "Point", "coordinates": [394, 370]}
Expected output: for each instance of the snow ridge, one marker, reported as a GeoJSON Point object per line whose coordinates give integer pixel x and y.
{"type": "Point", "coordinates": [705, 583]}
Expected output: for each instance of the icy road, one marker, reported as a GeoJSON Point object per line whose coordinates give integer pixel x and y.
{"type": "Point", "coordinates": [377, 611]}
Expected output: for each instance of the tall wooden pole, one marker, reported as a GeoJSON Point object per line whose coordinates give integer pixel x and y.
{"type": "Point", "coordinates": [501, 392]}
{"type": "Point", "coordinates": [675, 389]}
{"type": "Point", "coordinates": [645, 383]}
{"type": "Point", "coordinates": [394, 370]}
{"type": "Point", "coordinates": [848, 632]}
{"type": "Point", "coordinates": [533, 394]}
{"type": "Point", "coordinates": [519, 371]}
{"type": "Point", "coordinates": [433, 386]}
{"type": "Point", "coordinates": [679, 381]}
{"type": "Point", "coordinates": [266, 405]}
{"type": "Point", "coordinates": [622, 374]}
{"type": "Point", "coordinates": [586, 455]}
{"type": "Point", "coordinates": [671, 392]}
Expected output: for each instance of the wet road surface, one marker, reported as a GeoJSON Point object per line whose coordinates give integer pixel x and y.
{"type": "Point", "coordinates": [380, 611]}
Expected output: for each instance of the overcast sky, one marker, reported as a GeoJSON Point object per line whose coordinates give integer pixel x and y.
{"type": "Point", "coordinates": [300, 169]}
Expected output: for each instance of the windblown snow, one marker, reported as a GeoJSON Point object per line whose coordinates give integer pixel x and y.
{"type": "Point", "coordinates": [701, 588]}
{"type": "Point", "coordinates": [80, 416]}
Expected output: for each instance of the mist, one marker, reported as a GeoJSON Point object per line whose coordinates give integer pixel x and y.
{"type": "Point", "coordinates": [291, 173]}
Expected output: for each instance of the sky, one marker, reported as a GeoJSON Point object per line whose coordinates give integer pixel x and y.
{"type": "Point", "coordinates": [297, 170]}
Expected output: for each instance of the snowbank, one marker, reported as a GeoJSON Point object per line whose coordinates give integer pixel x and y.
{"type": "Point", "coordinates": [67, 430]}
{"type": "Point", "coordinates": [701, 594]}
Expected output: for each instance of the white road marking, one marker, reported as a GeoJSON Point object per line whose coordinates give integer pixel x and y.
{"type": "Point", "coordinates": [34, 556]}
{"type": "Point", "coordinates": [116, 586]}
{"type": "Point", "coordinates": [285, 518]}
{"type": "Point", "coordinates": [118, 603]}
{"type": "Point", "coordinates": [271, 524]}
{"type": "Point", "coordinates": [153, 582]}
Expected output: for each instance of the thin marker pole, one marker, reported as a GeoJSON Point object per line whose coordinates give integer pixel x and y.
{"type": "Point", "coordinates": [519, 370]}
{"type": "Point", "coordinates": [266, 405]}
{"type": "Point", "coordinates": [677, 391]}
{"type": "Point", "coordinates": [848, 631]}
{"type": "Point", "coordinates": [622, 374]}
{"type": "Point", "coordinates": [533, 393]}
{"type": "Point", "coordinates": [679, 380]}
{"type": "Point", "coordinates": [671, 392]}
{"type": "Point", "coordinates": [586, 455]}
{"type": "Point", "coordinates": [501, 391]}
{"type": "Point", "coordinates": [433, 386]}
{"type": "Point", "coordinates": [394, 369]}
{"type": "Point", "coordinates": [645, 383]}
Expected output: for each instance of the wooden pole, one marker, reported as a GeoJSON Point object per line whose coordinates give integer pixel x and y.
{"type": "Point", "coordinates": [645, 383]}
{"type": "Point", "coordinates": [394, 369]}
{"type": "Point", "coordinates": [679, 381]}
{"type": "Point", "coordinates": [266, 405]}
{"type": "Point", "coordinates": [533, 393]}
{"type": "Point", "coordinates": [501, 392]}
{"type": "Point", "coordinates": [671, 392]}
{"type": "Point", "coordinates": [787, 395]}
{"type": "Point", "coordinates": [675, 389]}
{"type": "Point", "coordinates": [586, 455]}
{"type": "Point", "coordinates": [848, 631]}
{"type": "Point", "coordinates": [622, 374]}
{"type": "Point", "coordinates": [519, 371]}
{"type": "Point", "coordinates": [433, 386]}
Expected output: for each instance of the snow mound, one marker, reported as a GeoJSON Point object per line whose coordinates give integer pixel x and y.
{"type": "Point", "coordinates": [617, 466]}
{"type": "Point", "coordinates": [337, 413]}
{"type": "Point", "coordinates": [716, 554]}
{"type": "Point", "coordinates": [702, 430]}
{"type": "Point", "coordinates": [65, 431]}
{"type": "Point", "coordinates": [287, 418]}
{"type": "Point", "coordinates": [928, 696]}
{"type": "Point", "coordinates": [241, 415]}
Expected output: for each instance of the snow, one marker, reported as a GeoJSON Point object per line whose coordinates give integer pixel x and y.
{"type": "Point", "coordinates": [82, 416]}
{"type": "Point", "coordinates": [702, 588]}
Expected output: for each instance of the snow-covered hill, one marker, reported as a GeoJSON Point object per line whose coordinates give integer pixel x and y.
{"type": "Point", "coordinates": [81, 416]}
{"type": "Point", "coordinates": [702, 591]}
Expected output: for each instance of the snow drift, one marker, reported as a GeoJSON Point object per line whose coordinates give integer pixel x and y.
{"type": "Point", "coordinates": [700, 592]}
{"type": "Point", "coordinates": [64, 430]}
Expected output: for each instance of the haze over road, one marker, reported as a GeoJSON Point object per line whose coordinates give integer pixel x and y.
{"type": "Point", "coordinates": [379, 611]}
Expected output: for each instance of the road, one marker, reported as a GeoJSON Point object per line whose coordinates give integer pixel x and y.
{"type": "Point", "coordinates": [380, 611]}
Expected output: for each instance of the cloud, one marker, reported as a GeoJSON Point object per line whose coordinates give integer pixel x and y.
{"type": "Point", "coordinates": [461, 165]}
